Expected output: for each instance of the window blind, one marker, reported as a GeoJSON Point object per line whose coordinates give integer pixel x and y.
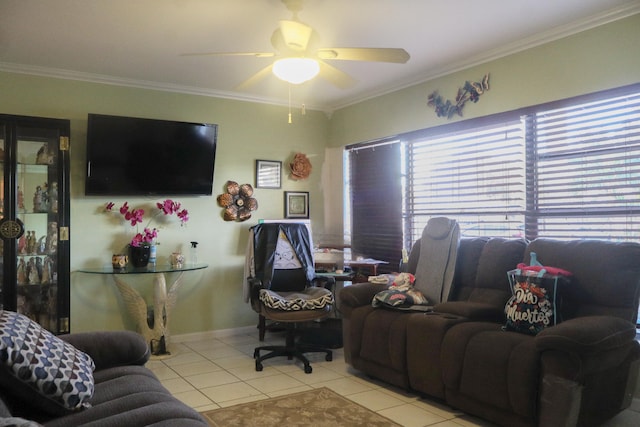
{"type": "Point", "coordinates": [476, 177]}
{"type": "Point", "coordinates": [586, 175]}
{"type": "Point", "coordinates": [375, 176]}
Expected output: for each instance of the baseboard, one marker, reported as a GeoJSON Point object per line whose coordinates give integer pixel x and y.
{"type": "Point", "coordinates": [218, 333]}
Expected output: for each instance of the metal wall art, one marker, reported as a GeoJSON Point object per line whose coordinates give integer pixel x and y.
{"type": "Point", "coordinates": [471, 91]}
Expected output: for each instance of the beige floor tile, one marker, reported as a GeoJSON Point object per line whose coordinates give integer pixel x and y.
{"type": "Point", "coordinates": [218, 353]}
{"type": "Point", "coordinates": [376, 400]}
{"type": "Point", "coordinates": [243, 400]}
{"type": "Point", "coordinates": [177, 385]}
{"type": "Point", "coordinates": [272, 383]}
{"type": "Point", "coordinates": [437, 408]}
{"type": "Point", "coordinates": [319, 374]}
{"type": "Point", "coordinates": [344, 386]}
{"type": "Point", "coordinates": [193, 398]}
{"type": "Point", "coordinates": [226, 392]}
{"type": "Point", "coordinates": [211, 379]}
{"type": "Point", "coordinates": [411, 416]}
{"type": "Point", "coordinates": [235, 361]}
{"type": "Point", "coordinates": [196, 368]}
{"type": "Point", "coordinates": [182, 358]}
{"type": "Point", "coordinates": [248, 371]}
{"type": "Point", "coordinates": [290, 390]}
{"type": "Point", "coordinates": [162, 371]}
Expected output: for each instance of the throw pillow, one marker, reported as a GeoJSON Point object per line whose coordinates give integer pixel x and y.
{"type": "Point", "coordinates": [42, 369]}
{"type": "Point", "coordinates": [534, 304]}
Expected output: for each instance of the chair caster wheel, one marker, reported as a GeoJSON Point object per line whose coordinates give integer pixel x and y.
{"type": "Point", "coordinates": [307, 369]}
{"type": "Point", "coordinates": [329, 358]}
{"type": "Point", "coordinates": [258, 366]}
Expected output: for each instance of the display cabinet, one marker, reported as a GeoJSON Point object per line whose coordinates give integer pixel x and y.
{"type": "Point", "coordinates": [34, 221]}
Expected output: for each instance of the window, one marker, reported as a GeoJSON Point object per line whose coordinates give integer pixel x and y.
{"type": "Point", "coordinates": [565, 170]}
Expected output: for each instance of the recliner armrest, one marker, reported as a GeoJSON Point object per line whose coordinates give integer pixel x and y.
{"type": "Point", "coordinates": [472, 310]}
{"type": "Point", "coordinates": [358, 294]}
{"type": "Point", "coordinates": [111, 348]}
{"type": "Point", "coordinates": [586, 335]}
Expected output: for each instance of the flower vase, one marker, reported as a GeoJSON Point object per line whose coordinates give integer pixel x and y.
{"type": "Point", "coordinates": [139, 255]}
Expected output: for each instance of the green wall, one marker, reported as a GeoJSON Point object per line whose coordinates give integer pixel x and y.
{"type": "Point", "coordinates": [597, 59]}
{"type": "Point", "coordinates": [209, 299]}
{"type": "Point", "coordinates": [601, 58]}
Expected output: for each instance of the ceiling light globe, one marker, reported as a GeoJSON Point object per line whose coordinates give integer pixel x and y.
{"type": "Point", "coordinates": [296, 70]}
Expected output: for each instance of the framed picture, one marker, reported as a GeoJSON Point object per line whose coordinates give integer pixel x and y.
{"type": "Point", "coordinates": [268, 173]}
{"type": "Point", "coordinates": [296, 204]}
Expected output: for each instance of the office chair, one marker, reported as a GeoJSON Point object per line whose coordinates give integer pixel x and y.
{"type": "Point", "coordinates": [283, 288]}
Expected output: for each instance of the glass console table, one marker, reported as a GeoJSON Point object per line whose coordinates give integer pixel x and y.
{"type": "Point", "coordinates": [156, 333]}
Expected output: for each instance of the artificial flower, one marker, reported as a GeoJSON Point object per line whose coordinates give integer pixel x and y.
{"type": "Point", "coordinates": [136, 216]}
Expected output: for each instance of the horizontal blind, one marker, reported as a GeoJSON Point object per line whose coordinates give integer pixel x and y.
{"type": "Point", "coordinates": [375, 176]}
{"type": "Point", "coordinates": [587, 170]}
{"type": "Point", "coordinates": [476, 177]}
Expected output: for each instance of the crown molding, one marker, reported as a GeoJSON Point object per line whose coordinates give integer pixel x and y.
{"type": "Point", "coordinates": [557, 33]}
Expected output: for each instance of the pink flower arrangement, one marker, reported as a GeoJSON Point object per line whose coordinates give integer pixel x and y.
{"type": "Point", "coordinates": [135, 217]}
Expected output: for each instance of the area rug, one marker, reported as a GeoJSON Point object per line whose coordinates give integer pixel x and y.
{"type": "Point", "coordinates": [320, 407]}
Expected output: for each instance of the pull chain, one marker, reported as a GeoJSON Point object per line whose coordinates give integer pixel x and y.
{"type": "Point", "coordinates": [289, 103]}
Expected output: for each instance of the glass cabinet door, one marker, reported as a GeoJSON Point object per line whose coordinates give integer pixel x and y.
{"type": "Point", "coordinates": [36, 207]}
{"type": "Point", "coordinates": [34, 219]}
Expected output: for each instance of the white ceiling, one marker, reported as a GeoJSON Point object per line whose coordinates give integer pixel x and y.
{"type": "Point", "coordinates": [140, 42]}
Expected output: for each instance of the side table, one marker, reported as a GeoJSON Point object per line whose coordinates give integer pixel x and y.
{"type": "Point", "coordinates": [158, 335]}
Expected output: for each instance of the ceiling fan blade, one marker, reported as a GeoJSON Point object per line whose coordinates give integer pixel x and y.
{"type": "Point", "coordinates": [335, 76]}
{"type": "Point", "coordinates": [296, 35]}
{"type": "Point", "coordinates": [256, 54]}
{"type": "Point", "coordinates": [372, 54]}
{"type": "Point", "coordinates": [260, 75]}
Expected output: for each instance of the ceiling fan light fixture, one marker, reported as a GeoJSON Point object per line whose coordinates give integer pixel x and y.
{"type": "Point", "coordinates": [296, 70]}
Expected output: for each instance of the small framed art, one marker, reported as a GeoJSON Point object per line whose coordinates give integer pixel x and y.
{"type": "Point", "coordinates": [268, 174]}
{"type": "Point", "coordinates": [296, 204]}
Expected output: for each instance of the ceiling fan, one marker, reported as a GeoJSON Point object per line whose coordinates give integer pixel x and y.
{"type": "Point", "coordinates": [296, 45]}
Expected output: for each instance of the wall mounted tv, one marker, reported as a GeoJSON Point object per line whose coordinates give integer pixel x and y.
{"type": "Point", "coordinates": [129, 156]}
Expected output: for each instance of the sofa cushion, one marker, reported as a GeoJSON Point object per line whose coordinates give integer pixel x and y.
{"type": "Point", "coordinates": [40, 368]}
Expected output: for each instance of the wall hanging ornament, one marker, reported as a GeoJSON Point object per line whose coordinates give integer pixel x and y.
{"type": "Point", "coordinates": [300, 167]}
{"type": "Point", "coordinates": [471, 91]}
{"type": "Point", "coordinates": [237, 202]}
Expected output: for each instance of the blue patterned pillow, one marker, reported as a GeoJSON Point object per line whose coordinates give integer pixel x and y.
{"type": "Point", "coordinates": [39, 367]}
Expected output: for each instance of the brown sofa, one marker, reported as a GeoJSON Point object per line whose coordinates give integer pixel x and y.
{"type": "Point", "coordinates": [125, 392]}
{"type": "Point", "coordinates": [581, 371]}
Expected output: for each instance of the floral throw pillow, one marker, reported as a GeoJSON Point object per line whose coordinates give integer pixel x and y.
{"type": "Point", "coordinates": [40, 368]}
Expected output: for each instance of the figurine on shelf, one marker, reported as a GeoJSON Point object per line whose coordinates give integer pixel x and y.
{"type": "Point", "coordinates": [41, 246]}
{"type": "Point", "coordinates": [32, 272]}
{"type": "Point", "coordinates": [21, 273]}
{"type": "Point", "coordinates": [43, 157]}
{"type": "Point", "coordinates": [37, 199]}
{"type": "Point", "coordinates": [46, 271]}
{"type": "Point", "coordinates": [22, 245]}
{"type": "Point", "coordinates": [51, 245]}
{"type": "Point", "coordinates": [31, 242]}
{"type": "Point", "coordinates": [51, 268]}
{"type": "Point", "coordinates": [44, 206]}
{"type": "Point", "coordinates": [21, 207]}
{"type": "Point", "coordinates": [39, 268]}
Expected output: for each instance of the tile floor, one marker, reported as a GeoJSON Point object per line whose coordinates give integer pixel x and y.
{"type": "Point", "coordinates": [218, 372]}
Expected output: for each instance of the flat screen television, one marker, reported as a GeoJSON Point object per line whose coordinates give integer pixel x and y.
{"type": "Point", "coordinates": [128, 156]}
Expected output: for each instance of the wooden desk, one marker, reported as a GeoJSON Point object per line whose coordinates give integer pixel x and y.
{"type": "Point", "coordinates": [368, 264]}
